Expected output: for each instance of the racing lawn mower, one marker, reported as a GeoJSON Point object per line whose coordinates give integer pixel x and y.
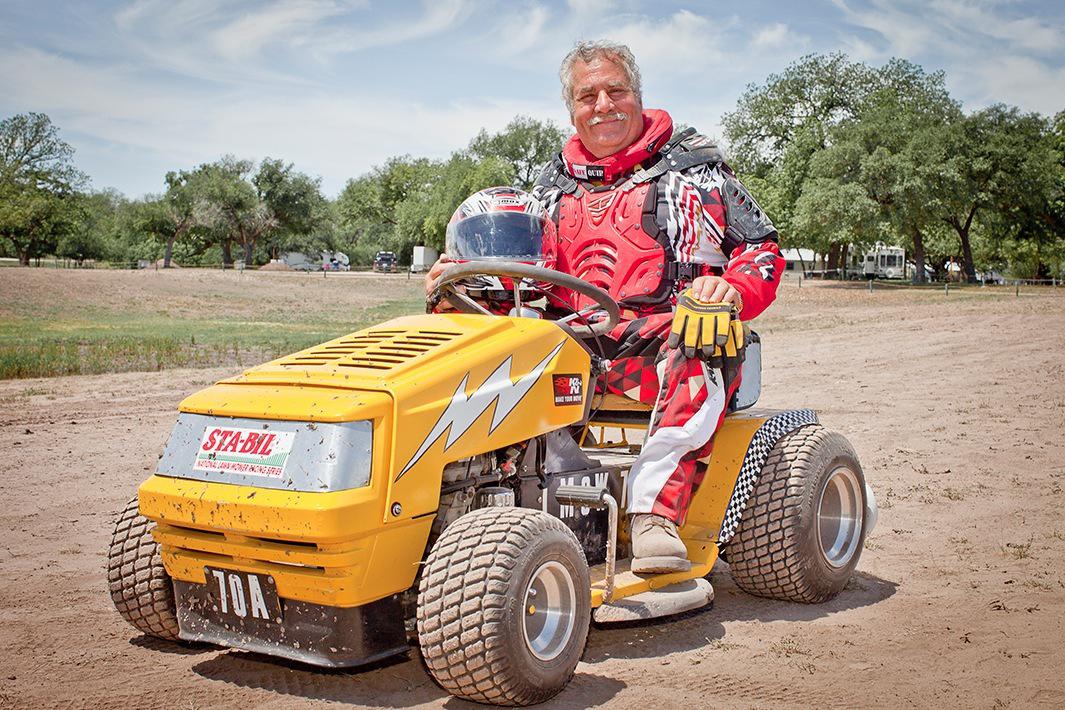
{"type": "Point", "coordinates": [436, 478]}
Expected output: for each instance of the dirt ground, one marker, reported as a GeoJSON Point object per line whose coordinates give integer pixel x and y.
{"type": "Point", "coordinates": [955, 404]}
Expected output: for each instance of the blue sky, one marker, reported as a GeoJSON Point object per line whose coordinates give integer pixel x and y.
{"type": "Point", "coordinates": [140, 87]}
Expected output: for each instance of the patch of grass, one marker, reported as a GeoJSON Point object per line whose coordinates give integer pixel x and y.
{"type": "Point", "coordinates": [98, 341]}
{"type": "Point", "coordinates": [953, 494]}
{"type": "Point", "coordinates": [788, 647]}
{"type": "Point", "coordinates": [1019, 550]}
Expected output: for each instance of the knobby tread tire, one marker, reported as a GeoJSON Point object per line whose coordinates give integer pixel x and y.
{"type": "Point", "coordinates": [775, 552]}
{"type": "Point", "coordinates": [140, 587]}
{"type": "Point", "coordinates": [467, 610]}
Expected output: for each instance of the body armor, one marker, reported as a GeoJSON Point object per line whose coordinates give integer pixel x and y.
{"type": "Point", "coordinates": [610, 239]}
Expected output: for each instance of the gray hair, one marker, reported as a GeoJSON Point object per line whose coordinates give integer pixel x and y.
{"type": "Point", "coordinates": [586, 51]}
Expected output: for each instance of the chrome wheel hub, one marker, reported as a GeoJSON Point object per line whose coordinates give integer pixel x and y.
{"type": "Point", "coordinates": [839, 517]}
{"type": "Point", "coordinates": [548, 616]}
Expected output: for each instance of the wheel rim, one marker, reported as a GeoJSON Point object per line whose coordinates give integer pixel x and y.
{"type": "Point", "coordinates": [839, 517]}
{"type": "Point", "coordinates": [550, 609]}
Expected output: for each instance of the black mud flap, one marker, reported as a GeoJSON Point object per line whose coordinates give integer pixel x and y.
{"type": "Point", "coordinates": [332, 637]}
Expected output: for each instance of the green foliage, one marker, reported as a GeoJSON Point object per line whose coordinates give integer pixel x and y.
{"type": "Point", "coordinates": [525, 144]}
{"type": "Point", "coordinates": [38, 186]}
{"type": "Point", "coordinates": [408, 202]}
{"type": "Point", "coordinates": [840, 153]}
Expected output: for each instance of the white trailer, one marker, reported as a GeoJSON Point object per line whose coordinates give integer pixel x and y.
{"type": "Point", "coordinates": [424, 257]}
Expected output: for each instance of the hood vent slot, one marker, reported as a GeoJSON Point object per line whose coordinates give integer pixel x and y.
{"type": "Point", "coordinates": [378, 350]}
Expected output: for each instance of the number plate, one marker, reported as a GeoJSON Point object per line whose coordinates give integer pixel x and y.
{"type": "Point", "coordinates": [242, 595]}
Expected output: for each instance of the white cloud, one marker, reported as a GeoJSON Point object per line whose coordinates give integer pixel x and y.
{"type": "Point", "coordinates": [326, 134]}
{"type": "Point", "coordinates": [683, 43]}
{"type": "Point", "coordinates": [1022, 81]}
{"type": "Point", "coordinates": [524, 31]}
{"type": "Point", "coordinates": [777, 35]}
{"type": "Point", "coordinates": [1025, 33]}
{"type": "Point", "coordinates": [990, 54]}
{"type": "Point", "coordinates": [278, 22]}
{"type": "Point", "coordinates": [438, 17]}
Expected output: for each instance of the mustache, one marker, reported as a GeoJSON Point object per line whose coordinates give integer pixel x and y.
{"type": "Point", "coordinates": [596, 120]}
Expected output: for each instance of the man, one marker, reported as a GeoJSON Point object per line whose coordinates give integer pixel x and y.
{"type": "Point", "coordinates": [643, 214]}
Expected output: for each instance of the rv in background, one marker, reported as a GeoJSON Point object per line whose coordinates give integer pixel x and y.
{"type": "Point", "coordinates": [884, 262]}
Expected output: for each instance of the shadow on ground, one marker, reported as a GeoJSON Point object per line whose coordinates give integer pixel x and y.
{"type": "Point", "coordinates": [177, 648]}
{"type": "Point", "coordinates": [687, 632]}
{"type": "Point", "coordinates": [397, 682]}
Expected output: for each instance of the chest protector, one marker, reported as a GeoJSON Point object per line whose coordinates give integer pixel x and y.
{"type": "Point", "coordinates": [611, 239]}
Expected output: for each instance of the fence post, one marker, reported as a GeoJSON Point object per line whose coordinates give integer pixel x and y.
{"type": "Point", "coordinates": [946, 288]}
{"type": "Point", "coordinates": [1017, 285]}
{"type": "Point", "coordinates": [870, 285]}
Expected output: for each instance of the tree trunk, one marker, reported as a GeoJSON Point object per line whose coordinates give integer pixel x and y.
{"type": "Point", "coordinates": [919, 276]}
{"type": "Point", "coordinates": [227, 254]}
{"type": "Point", "coordinates": [23, 257]}
{"type": "Point", "coordinates": [844, 253]}
{"type": "Point", "coordinates": [249, 249]}
{"type": "Point", "coordinates": [169, 252]}
{"type": "Point", "coordinates": [968, 268]}
{"type": "Point", "coordinates": [833, 256]}
{"type": "Point", "coordinates": [967, 265]}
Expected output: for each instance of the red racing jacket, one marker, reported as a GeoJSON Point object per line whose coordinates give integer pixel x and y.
{"type": "Point", "coordinates": [646, 221]}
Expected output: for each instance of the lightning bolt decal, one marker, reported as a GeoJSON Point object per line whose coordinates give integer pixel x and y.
{"type": "Point", "coordinates": [463, 411]}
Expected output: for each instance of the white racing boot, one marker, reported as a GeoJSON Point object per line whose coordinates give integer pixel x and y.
{"type": "Point", "coordinates": [656, 547]}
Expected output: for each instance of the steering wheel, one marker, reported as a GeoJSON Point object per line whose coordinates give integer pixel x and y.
{"type": "Point", "coordinates": [446, 285]}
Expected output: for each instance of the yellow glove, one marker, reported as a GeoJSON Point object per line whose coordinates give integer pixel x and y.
{"type": "Point", "coordinates": [705, 330]}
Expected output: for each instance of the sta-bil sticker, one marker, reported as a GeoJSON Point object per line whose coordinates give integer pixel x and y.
{"type": "Point", "coordinates": [247, 451]}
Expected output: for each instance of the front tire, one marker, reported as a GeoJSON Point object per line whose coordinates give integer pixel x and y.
{"type": "Point", "coordinates": [504, 606]}
{"type": "Point", "coordinates": [802, 532]}
{"type": "Point", "coordinates": [141, 590]}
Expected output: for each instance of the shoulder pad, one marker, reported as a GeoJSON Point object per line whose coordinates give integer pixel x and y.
{"type": "Point", "coordinates": [554, 175]}
{"type": "Point", "coordinates": [684, 150]}
{"type": "Point", "coordinates": [689, 148]}
{"type": "Point", "coordinates": [746, 221]}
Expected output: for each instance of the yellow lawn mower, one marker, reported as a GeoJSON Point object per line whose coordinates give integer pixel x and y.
{"type": "Point", "coordinates": [435, 478]}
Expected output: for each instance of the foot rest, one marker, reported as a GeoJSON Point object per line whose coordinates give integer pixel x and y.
{"type": "Point", "coordinates": [682, 596]}
{"type": "Point", "coordinates": [583, 496]}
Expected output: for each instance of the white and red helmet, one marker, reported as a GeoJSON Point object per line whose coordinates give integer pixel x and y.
{"type": "Point", "coordinates": [502, 224]}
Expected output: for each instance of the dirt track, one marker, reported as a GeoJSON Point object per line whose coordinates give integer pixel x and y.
{"type": "Point", "coordinates": [956, 405]}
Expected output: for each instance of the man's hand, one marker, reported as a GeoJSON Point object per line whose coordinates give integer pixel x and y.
{"type": "Point", "coordinates": [442, 306]}
{"type": "Point", "coordinates": [705, 330]}
{"type": "Point", "coordinates": [714, 289]}
{"type": "Point", "coordinates": [435, 270]}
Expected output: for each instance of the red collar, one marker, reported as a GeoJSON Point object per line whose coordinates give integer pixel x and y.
{"type": "Point", "coordinates": [657, 128]}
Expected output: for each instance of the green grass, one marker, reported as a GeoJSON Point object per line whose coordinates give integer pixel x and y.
{"type": "Point", "coordinates": [46, 342]}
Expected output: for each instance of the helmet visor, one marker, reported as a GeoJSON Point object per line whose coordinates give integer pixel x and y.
{"type": "Point", "coordinates": [504, 236]}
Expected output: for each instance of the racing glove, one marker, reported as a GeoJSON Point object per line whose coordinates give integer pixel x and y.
{"type": "Point", "coordinates": [709, 331]}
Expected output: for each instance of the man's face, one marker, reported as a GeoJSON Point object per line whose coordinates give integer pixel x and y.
{"type": "Point", "coordinates": [607, 114]}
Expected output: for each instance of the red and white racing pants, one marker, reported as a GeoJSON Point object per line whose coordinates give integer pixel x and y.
{"type": "Point", "coordinates": [690, 400]}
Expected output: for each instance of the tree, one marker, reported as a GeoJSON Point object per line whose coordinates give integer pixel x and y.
{"type": "Point", "coordinates": [795, 108]}
{"type": "Point", "coordinates": [370, 208]}
{"type": "Point", "coordinates": [993, 159]}
{"type": "Point", "coordinates": [231, 206]}
{"type": "Point", "coordinates": [295, 201]}
{"type": "Point", "coordinates": [94, 232]}
{"type": "Point", "coordinates": [525, 144]}
{"type": "Point", "coordinates": [38, 185]}
{"type": "Point", "coordinates": [177, 211]}
{"type": "Point", "coordinates": [425, 220]}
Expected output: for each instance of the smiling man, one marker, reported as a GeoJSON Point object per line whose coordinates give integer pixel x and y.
{"type": "Point", "coordinates": [660, 222]}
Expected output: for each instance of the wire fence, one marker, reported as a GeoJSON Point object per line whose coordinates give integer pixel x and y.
{"type": "Point", "coordinates": [147, 265]}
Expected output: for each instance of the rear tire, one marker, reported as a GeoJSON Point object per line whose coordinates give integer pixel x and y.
{"type": "Point", "coordinates": [504, 606]}
{"type": "Point", "coordinates": [802, 532]}
{"type": "Point", "coordinates": [141, 589]}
